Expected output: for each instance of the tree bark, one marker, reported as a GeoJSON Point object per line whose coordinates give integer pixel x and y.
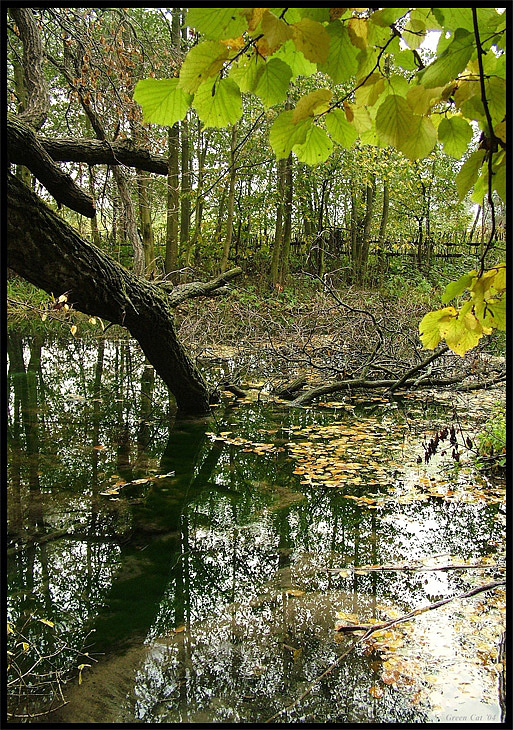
{"type": "Point", "coordinates": [51, 255]}
{"type": "Point", "coordinates": [34, 77]}
{"type": "Point", "coordinates": [146, 226]}
{"type": "Point", "coordinates": [102, 152]}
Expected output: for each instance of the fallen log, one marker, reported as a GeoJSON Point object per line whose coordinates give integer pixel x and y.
{"type": "Point", "coordinates": [287, 391]}
{"type": "Point", "coordinates": [363, 384]}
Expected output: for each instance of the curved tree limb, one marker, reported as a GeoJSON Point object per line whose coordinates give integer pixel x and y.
{"type": "Point", "coordinates": [23, 148]}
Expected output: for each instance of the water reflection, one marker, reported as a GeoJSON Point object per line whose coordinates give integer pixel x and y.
{"type": "Point", "coordinates": [208, 590]}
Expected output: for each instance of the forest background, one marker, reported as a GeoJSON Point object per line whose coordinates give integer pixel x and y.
{"type": "Point", "coordinates": [253, 180]}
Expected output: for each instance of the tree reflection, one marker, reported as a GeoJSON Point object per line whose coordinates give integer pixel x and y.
{"type": "Point", "coordinates": [205, 578]}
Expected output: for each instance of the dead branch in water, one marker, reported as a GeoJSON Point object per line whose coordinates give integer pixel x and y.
{"type": "Point", "coordinates": [378, 627]}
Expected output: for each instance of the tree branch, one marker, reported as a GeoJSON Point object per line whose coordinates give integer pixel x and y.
{"type": "Point", "coordinates": [24, 148]}
{"type": "Point", "coordinates": [100, 152]}
{"type": "Point", "coordinates": [178, 294]}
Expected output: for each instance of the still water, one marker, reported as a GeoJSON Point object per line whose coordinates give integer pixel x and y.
{"type": "Point", "coordinates": [190, 571]}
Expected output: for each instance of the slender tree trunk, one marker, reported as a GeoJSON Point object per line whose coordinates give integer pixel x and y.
{"type": "Point", "coordinates": [171, 258]}
{"type": "Point", "coordinates": [370, 195]}
{"type": "Point", "coordinates": [146, 226]}
{"type": "Point", "coordinates": [21, 171]}
{"type": "Point", "coordinates": [198, 209]}
{"type": "Point", "coordinates": [384, 213]}
{"type": "Point", "coordinates": [278, 231]}
{"type": "Point", "coordinates": [231, 202]}
{"type": "Point", "coordinates": [94, 222]}
{"type": "Point", "coordinates": [287, 223]}
{"type": "Point", "coordinates": [185, 207]}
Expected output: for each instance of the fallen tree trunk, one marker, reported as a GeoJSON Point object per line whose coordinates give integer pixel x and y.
{"type": "Point", "coordinates": [52, 256]}
{"type": "Point", "coordinates": [364, 384]}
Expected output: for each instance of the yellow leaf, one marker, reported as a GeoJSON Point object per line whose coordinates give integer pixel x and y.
{"type": "Point", "coordinates": [92, 320]}
{"type": "Point", "coordinates": [429, 327]}
{"type": "Point", "coordinates": [45, 621]}
{"type": "Point", "coordinates": [179, 629]}
{"type": "Point", "coordinates": [294, 592]}
{"type": "Point", "coordinates": [358, 32]}
{"type": "Point", "coordinates": [312, 39]}
{"type": "Point", "coordinates": [275, 31]}
{"type": "Point", "coordinates": [73, 329]}
{"type": "Point", "coordinates": [254, 16]}
{"type": "Point", "coordinates": [344, 573]}
{"type": "Point", "coordinates": [313, 103]}
{"type": "Point", "coordinates": [43, 317]}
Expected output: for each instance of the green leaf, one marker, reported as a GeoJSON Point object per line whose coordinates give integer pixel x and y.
{"type": "Point", "coordinates": [273, 82]}
{"type": "Point", "coordinates": [284, 134]}
{"type": "Point", "coordinates": [492, 313]}
{"type": "Point", "coordinates": [496, 93]}
{"type": "Point", "coordinates": [394, 120]}
{"type": "Point", "coordinates": [499, 178]}
{"type": "Point", "coordinates": [455, 134]}
{"type": "Point", "coordinates": [162, 100]}
{"type": "Point", "coordinates": [451, 61]}
{"type": "Point", "coordinates": [469, 172]}
{"type": "Point", "coordinates": [414, 32]}
{"type": "Point", "coordinates": [316, 148]}
{"type": "Point", "coordinates": [456, 288]}
{"type": "Point", "coordinates": [217, 23]}
{"type": "Point", "coordinates": [387, 16]}
{"type": "Point", "coordinates": [321, 15]}
{"type": "Point", "coordinates": [218, 104]}
{"type": "Point", "coordinates": [246, 72]}
{"type": "Point", "coordinates": [202, 61]}
{"type": "Point", "coordinates": [421, 140]}
{"type": "Point", "coordinates": [340, 129]}
{"type": "Point", "coordinates": [405, 59]}
{"type": "Point", "coordinates": [341, 62]}
{"type": "Point", "coordinates": [299, 65]}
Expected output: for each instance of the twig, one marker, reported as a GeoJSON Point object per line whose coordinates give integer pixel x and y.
{"type": "Point", "coordinates": [417, 568]}
{"type": "Point", "coordinates": [378, 627]}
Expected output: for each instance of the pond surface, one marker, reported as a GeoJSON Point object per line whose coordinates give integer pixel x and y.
{"type": "Point", "coordinates": [194, 571]}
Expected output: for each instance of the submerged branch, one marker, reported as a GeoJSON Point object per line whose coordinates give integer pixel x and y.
{"type": "Point", "coordinates": [417, 568]}
{"type": "Point", "coordinates": [378, 627]}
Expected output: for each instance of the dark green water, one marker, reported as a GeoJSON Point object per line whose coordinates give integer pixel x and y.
{"type": "Point", "coordinates": [203, 594]}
